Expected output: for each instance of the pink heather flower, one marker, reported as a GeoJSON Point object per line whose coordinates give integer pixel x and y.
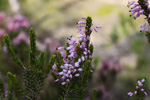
{"type": "Point", "coordinates": [83, 59]}
{"type": "Point", "coordinates": [72, 60]}
{"type": "Point", "coordinates": [60, 48]}
{"type": "Point", "coordinates": [63, 83]}
{"type": "Point", "coordinates": [143, 80]}
{"type": "Point", "coordinates": [10, 26]}
{"type": "Point", "coordinates": [98, 27]}
{"type": "Point", "coordinates": [147, 29]}
{"type": "Point", "coordinates": [2, 32]}
{"type": "Point", "coordinates": [143, 27]}
{"type": "Point", "coordinates": [140, 83]}
{"type": "Point", "coordinates": [80, 69]}
{"type": "Point", "coordinates": [56, 80]}
{"type": "Point", "coordinates": [145, 93]}
{"type": "Point", "coordinates": [76, 64]}
{"type": "Point", "coordinates": [130, 94]}
{"type": "Point", "coordinates": [131, 3]}
{"type": "Point", "coordinates": [22, 37]}
{"type": "Point", "coordinates": [81, 22]}
{"type": "Point", "coordinates": [81, 26]}
{"type": "Point", "coordinates": [138, 88]}
{"type": "Point", "coordinates": [142, 90]}
{"type": "Point", "coordinates": [4, 48]}
{"type": "Point", "coordinates": [23, 21]}
{"type": "Point", "coordinates": [16, 23]}
{"type": "Point", "coordinates": [135, 92]}
{"type": "Point", "coordinates": [47, 42]}
{"type": "Point", "coordinates": [54, 67]}
{"type": "Point", "coordinates": [84, 18]}
{"type": "Point", "coordinates": [77, 75]}
{"type": "Point", "coordinates": [2, 15]}
{"type": "Point", "coordinates": [137, 10]}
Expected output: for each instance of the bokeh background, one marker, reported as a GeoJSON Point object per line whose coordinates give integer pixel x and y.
{"type": "Point", "coordinates": [121, 52]}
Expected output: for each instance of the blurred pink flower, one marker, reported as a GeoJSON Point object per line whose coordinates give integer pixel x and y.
{"type": "Point", "coordinates": [23, 21]}
{"type": "Point", "coordinates": [17, 22]}
{"type": "Point", "coordinates": [56, 45]}
{"type": "Point", "coordinates": [47, 42]}
{"type": "Point", "coordinates": [2, 15]}
{"type": "Point", "coordinates": [4, 48]}
{"type": "Point", "coordinates": [2, 32]}
{"type": "Point", "coordinates": [22, 37]}
{"type": "Point", "coordinates": [11, 25]}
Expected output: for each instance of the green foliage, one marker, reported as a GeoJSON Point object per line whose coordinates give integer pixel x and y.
{"type": "Point", "coordinates": [2, 90]}
{"type": "Point", "coordinates": [34, 74]}
{"type": "Point", "coordinates": [33, 48]}
{"type": "Point", "coordinates": [59, 61]}
{"type": "Point", "coordinates": [10, 89]}
{"type": "Point", "coordinates": [94, 94]}
{"type": "Point", "coordinates": [15, 83]}
{"type": "Point", "coordinates": [104, 10]}
{"type": "Point", "coordinates": [114, 35]}
{"type": "Point", "coordinates": [3, 5]}
{"type": "Point", "coordinates": [11, 51]}
{"type": "Point", "coordinates": [49, 67]}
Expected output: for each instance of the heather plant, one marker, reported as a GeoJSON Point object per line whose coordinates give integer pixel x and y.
{"type": "Point", "coordinates": [6, 94]}
{"type": "Point", "coordinates": [73, 65]}
{"type": "Point", "coordinates": [139, 93]}
{"type": "Point", "coordinates": [140, 7]}
{"type": "Point", "coordinates": [33, 74]}
{"type": "Point", "coordinates": [105, 76]}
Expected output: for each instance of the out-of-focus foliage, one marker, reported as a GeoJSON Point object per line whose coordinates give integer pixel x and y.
{"type": "Point", "coordinates": [3, 5]}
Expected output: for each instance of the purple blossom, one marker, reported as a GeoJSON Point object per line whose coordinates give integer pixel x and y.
{"type": "Point", "coordinates": [84, 18]}
{"type": "Point", "coordinates": [72, 60]}
{"type": "Point", "coordinates": [80, 69]}
{"type": "Point", "coordinates": [2, 32]}
{"type": "Point", "coordinates": [60, 48]}
{"type": "Point", "coordinates": [130, 94]}
{"type": "Point", "coordinates": [138, 89]}
{"type": "Point", "coordinates": [23, 21]}
{"type": "Point", "coordinates": [77, 75]}
{"type": "Point", "coordinates": [2, 15]}
{"type": "Point", "coordinates": [4, 48]}
{"type": "Point", "coordinates": [17, 22]}
{"type": "Point", "coordinates": [11, 25]}
{"type": "Point", "coordinates": [81, 26]}
{"type": "Point", "coordinates": [22, 37]}
{"type": "Point", "coordinates": [137, 10]}
{"type": "Point", "coordinates": [47, 43]}
{"type": "Point", "coordinates": [54, 67]}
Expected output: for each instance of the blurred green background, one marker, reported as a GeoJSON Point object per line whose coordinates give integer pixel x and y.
{"type": "Point", "coordinates": [119, 38]}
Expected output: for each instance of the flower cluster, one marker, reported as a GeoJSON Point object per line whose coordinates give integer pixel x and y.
{"type": "Point", "coordinates": [13, 24]}
{"type": "Point", "coordinates": [2, 32]}
{"type": "Point", "coordinates": [140, 8]}
{"type": "Point", "coordinates": [2, 16]}
{"type": "Point", "coordinates": [76, 52]}
{"type": "Point", "coordinates": [17, 22]}
{"type": "Point", "coordinates": [139, 90]}
{"type": "Point", "coordinates": [81, 27]}
{"type": "Point", "coordinates": [16, 26]}
{"type": "Point", "coordinates": [22, 37]}
{"type": "Point", "coordinates": [110, 66]}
